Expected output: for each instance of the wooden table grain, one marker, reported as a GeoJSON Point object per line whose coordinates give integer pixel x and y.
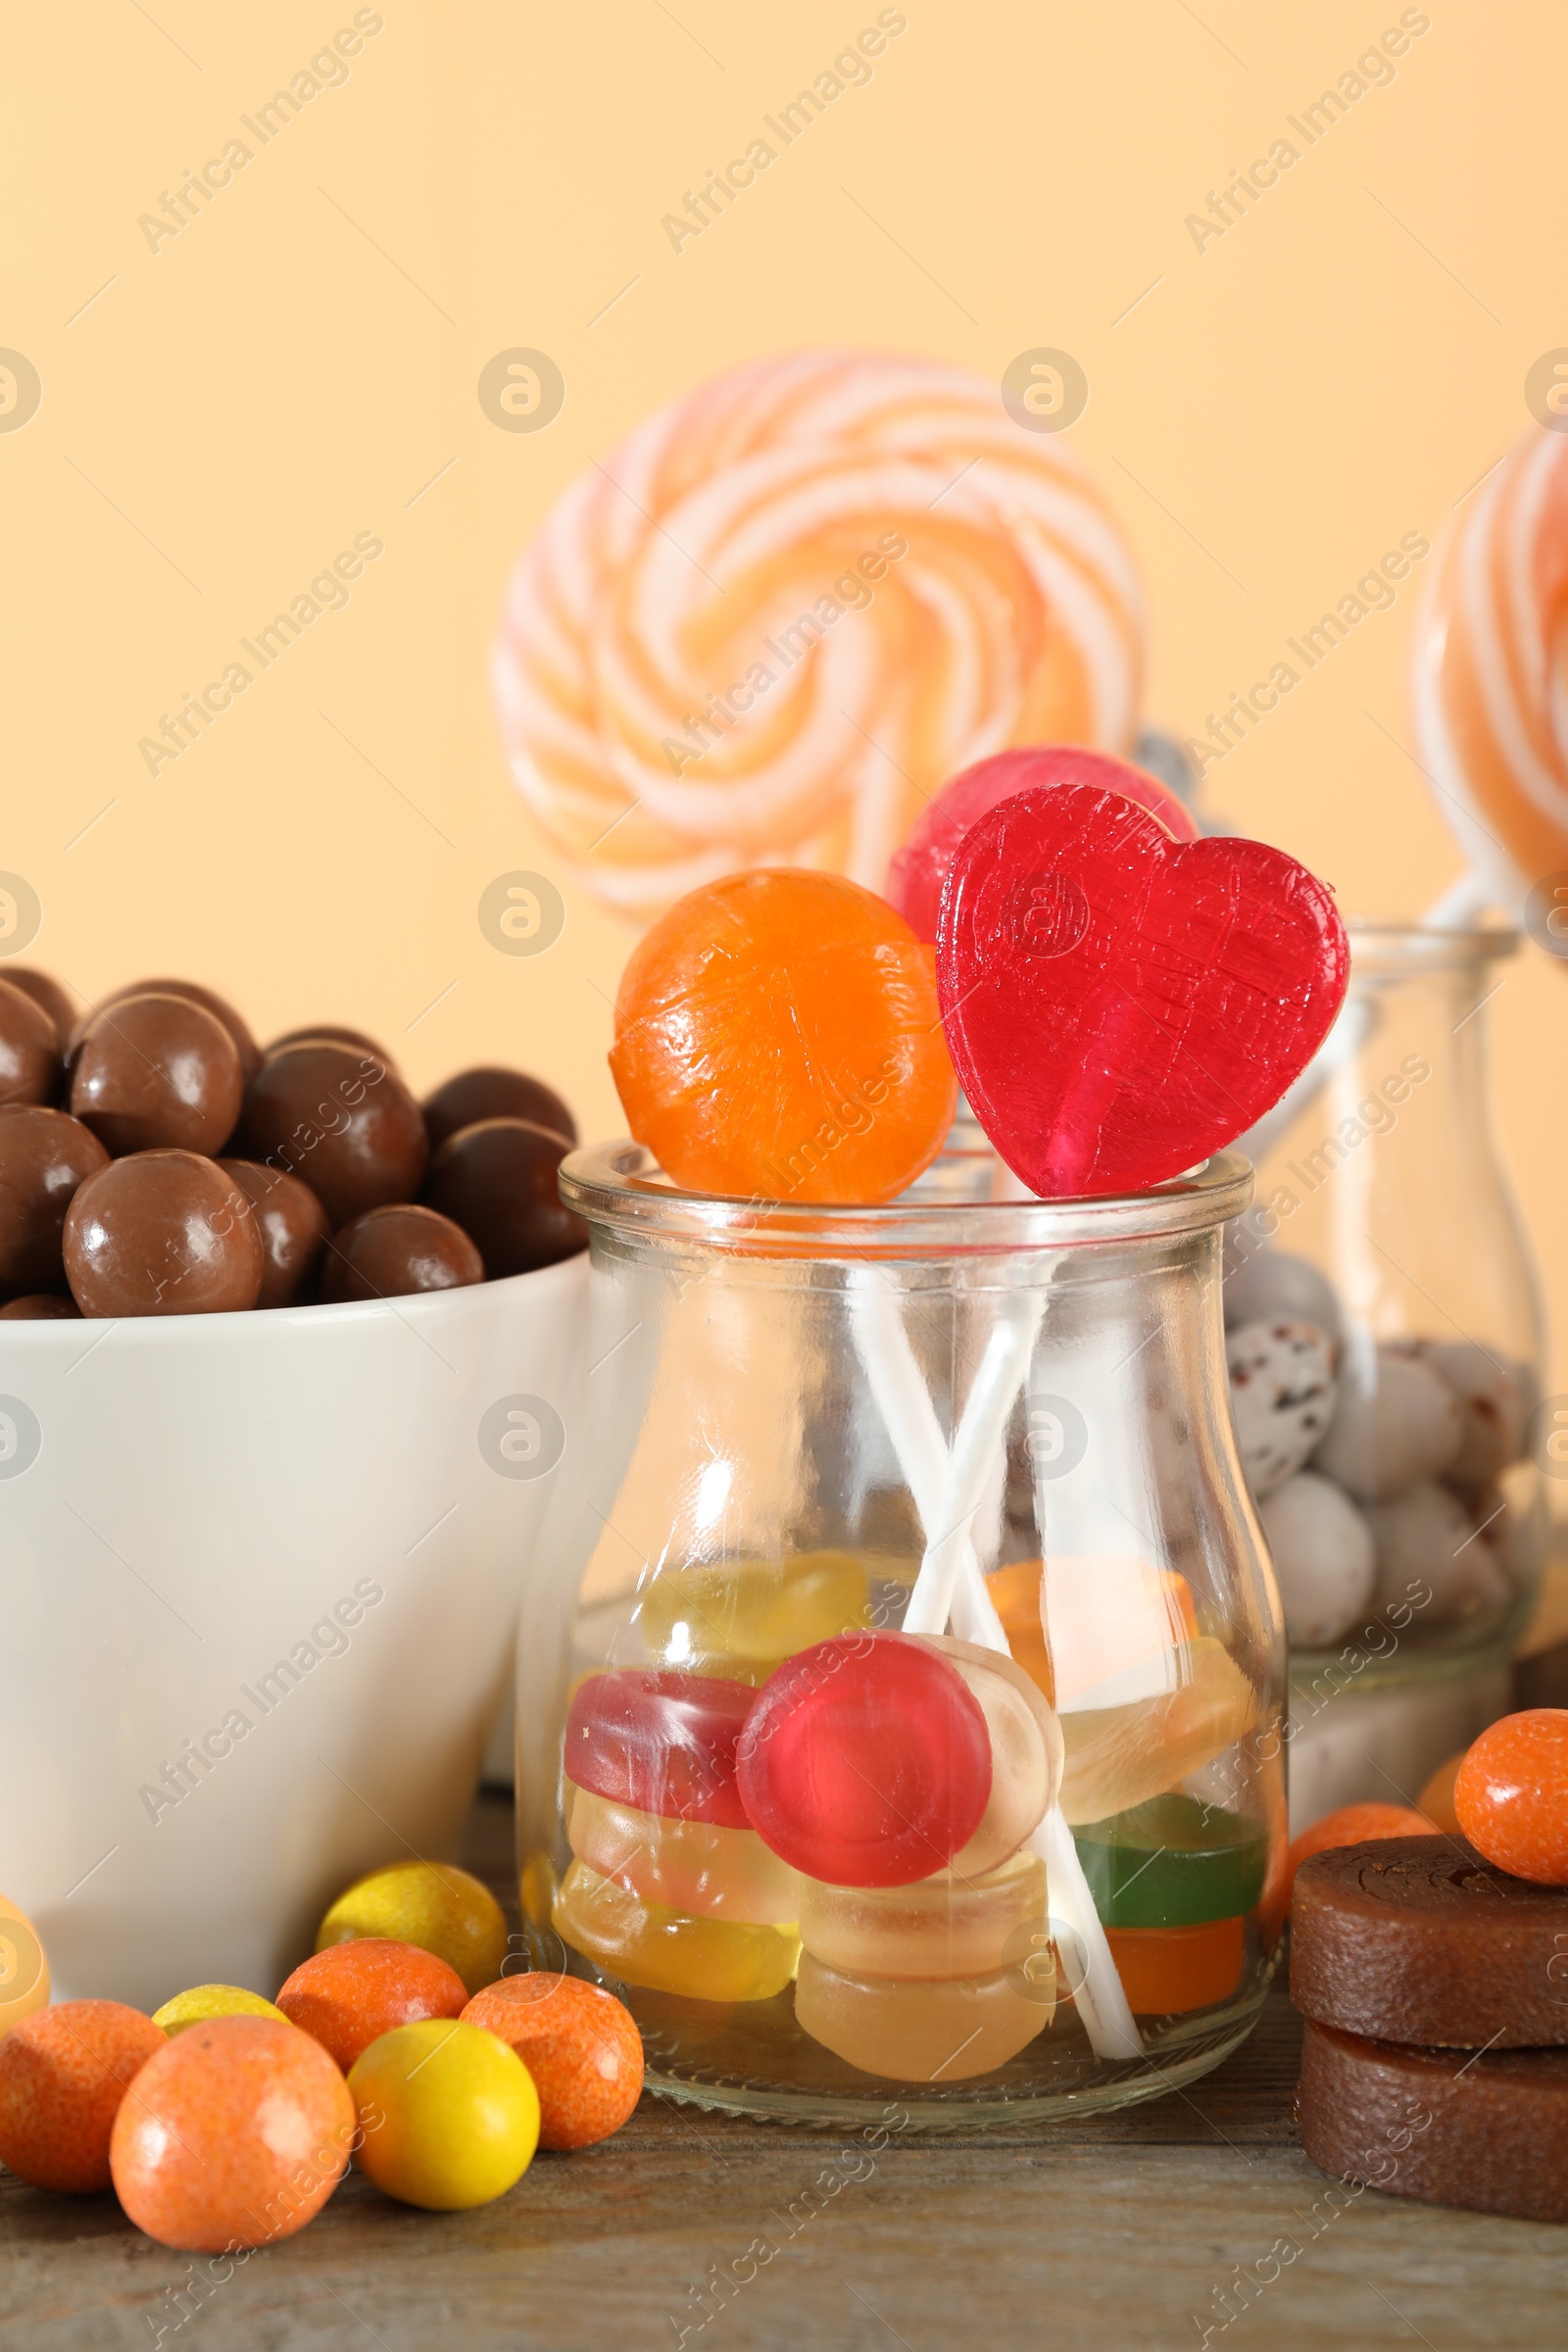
{"type": "Point", "coordinates": [1142, 2229]}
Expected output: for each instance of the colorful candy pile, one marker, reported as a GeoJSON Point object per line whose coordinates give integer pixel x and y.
{"type": "Point", "coordinates": [1430, 1970]}
{"type": "Point", "coordinates": [155, 1160]}
{"type": "Point", "coordinates": [226, 2121]}
{"type": "Point", "coordinates": [1377, 1487]}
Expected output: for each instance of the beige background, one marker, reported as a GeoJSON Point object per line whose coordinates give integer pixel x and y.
{"type": "Point", "coordinates": [221, 416]}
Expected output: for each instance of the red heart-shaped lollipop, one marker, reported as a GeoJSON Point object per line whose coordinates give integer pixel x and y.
{"type": "Point", "coordinates": [1119, 1005]}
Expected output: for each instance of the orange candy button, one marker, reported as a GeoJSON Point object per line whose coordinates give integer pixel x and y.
{"type": "Point", "coordinates": [1165, 1971]}
{"type": "Point", "coordinates": [1511, 1795]}
{"type": "Point", "coordinates": [62, 2073]}
{"type": "Point", "coordinates": [578, 2043]}
{"type": "Point", "coordinates": [237, 2134]}
{"type": "Point", "coordinates": [352, 1993]}
{"type": "Point", "coordinates": [778, 1037]}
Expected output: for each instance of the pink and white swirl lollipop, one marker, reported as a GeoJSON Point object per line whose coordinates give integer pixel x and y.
{"type": "Point", "coordinates": [1489, 672]}
{"type": "Point", "coordinates": [789, 607]}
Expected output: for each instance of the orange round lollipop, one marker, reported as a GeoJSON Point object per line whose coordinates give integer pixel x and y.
{"type": "Point", "coordinates": [778, 1036]}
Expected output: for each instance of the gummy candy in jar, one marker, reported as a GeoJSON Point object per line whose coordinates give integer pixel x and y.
{"type": "Point", "coordinates": [908, 1598]}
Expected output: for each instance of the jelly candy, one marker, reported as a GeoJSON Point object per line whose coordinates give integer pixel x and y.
{"type": "Point", "coordinates": [1172, 1862]}
{"type": "Point", "coordinates": [924, 2032]}
{"type": "Point", "coordinates": [940, 1928]}
{"type": "Point", "coordinates": [743, 1619]}
{"type": "Point", "coordinates": [777, 1037]}
{"type": "Point", "coordinates": [1118, 1756]}
{"type": "Point", "coordinates": [1119, 1006]}
{"type": "Point", "coordinates": [692, 1866]}
{"type": "Point", "coordinates": [1114, 1621]}
{"type": "Point", "coordinates": [662, 1741]}
{"type": "Point", "coordinates": [866, 1761]}
{"type": "Point", "coordinates": [917, 872]}
{"type": "Point", "coordinates": [1166, 1970]}
{"type": "Point", "coordinates": [1511, 1794]}
{"type": "Point", "coordinates": [1025, 1752]}
{"type": "Point", "coordinates": [668, 1951]}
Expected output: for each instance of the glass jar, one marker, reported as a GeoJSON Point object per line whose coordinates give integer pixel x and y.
{"type": "Point", "coordinates": [819, 1767]}
{"type": "Point", "coordinates": [1388, 1444]}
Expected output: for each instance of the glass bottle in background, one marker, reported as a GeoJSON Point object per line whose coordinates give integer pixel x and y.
{"type": "Point", "coordinates": [1384, 1329]}
{"type": "Point", "coordinates": [844, 1791]}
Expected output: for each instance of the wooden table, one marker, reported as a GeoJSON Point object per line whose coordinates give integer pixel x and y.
{"type": "Point", "coordinates": [1118, 2232]}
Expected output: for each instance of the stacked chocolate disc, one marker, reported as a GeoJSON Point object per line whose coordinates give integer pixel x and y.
{"type": "Point", "coordinates": [1435, 2059]}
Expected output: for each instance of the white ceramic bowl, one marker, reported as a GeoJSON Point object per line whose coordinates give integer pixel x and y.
{"type": "Point", "coordinates": [259, 1583]}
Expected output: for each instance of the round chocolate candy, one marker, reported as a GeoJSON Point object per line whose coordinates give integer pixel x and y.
{"type": "Point", "coordinates": [29, 1050]}
{"type": "Point", "coordinates": [491, 1092]}
{"type": "Point", "coordinates": [157, 1073]}
{"type": "Point", "coordinates": [292, 1224]}
{"type": "Point", "coordinates": [341, 1118]}
{"type": "Point", "coordinates": [40, 1307]}
{"type": "Point", "coordinates": [393, 1250]}
{"type": "Point", "coordinates": [333, 1035]}
{"type": "Point", "coordinates": [245, 1046]}
{"type": "Point", "coordinates": [46, 991]}
{"type": "Point", "coordinates": [497, 1180]}
{"type": "Point", "coordinates": [44, 1156]}
{"type": "Point", "coordinates": [163, 1233]}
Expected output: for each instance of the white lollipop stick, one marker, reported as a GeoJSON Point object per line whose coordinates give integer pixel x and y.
{"type": "Point", "coordinates": [905, 1403]}
{"type": "Point", "coordinates": [936, 1482]}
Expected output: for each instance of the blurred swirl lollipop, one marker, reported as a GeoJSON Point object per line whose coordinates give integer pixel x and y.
{"type": "Point", "coordinates": [1490, 676]}
{"type": "Point", "coordinates": [789, 607]}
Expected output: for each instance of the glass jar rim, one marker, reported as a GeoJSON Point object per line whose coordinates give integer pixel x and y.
{"type": "Point", "coordinates": [620, 1185]}
{"type": "Point", "coordinates": [1383, 950]}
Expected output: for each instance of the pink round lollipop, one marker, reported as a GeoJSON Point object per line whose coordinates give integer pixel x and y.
{"type": "Point", "coordinates": [662, 1741]}
{"type": "Point", "coordinates": [917, 872]}
{"type": "Point", "coordinates": [865, 1761]}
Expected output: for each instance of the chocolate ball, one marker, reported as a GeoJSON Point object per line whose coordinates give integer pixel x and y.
{"type": "Point", "coordinates": [41, 1306]}
{"type": "Point", "coordinates": [245, 1046]}
{"type": "Point", "coordinates": [342, 1119]}
{"type": "Point", "coordinates": [391, 1251]}
{"type": "Point", "coordinates": [163, 1233]}
{"type": "Point", "coordinates": [491, 1092]}
{"type": "Point", "coordinates": [47, 992]}
{"type": "Point", "coordinates": [333, 1035]}
{"type": "Point", "coordinates": [157, 1073]}
{"type": "Point", "coordinates": [44, 1156]}
{"type": "Point", "coordinates": [292, 1224]}
{"type": "Point", "coordinates": [497, 1180]}
{"type": "Point", "coordinates": [29, 1050]}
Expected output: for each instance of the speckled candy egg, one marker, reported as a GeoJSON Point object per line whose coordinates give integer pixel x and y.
{"type": "Point", "coordinates": [1493, 1399]}
{"type": "Point", "coordinates": [1323, 1555]}
{"type": "Point", "coordinates": [1390, 1435]}
{"type": "Point", "coordinates": [1272, 1283]}
{"type": "Point", "coordinates": [1428, 1538]}
{"type": "Point", "coordinates": [1282, 1396]}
